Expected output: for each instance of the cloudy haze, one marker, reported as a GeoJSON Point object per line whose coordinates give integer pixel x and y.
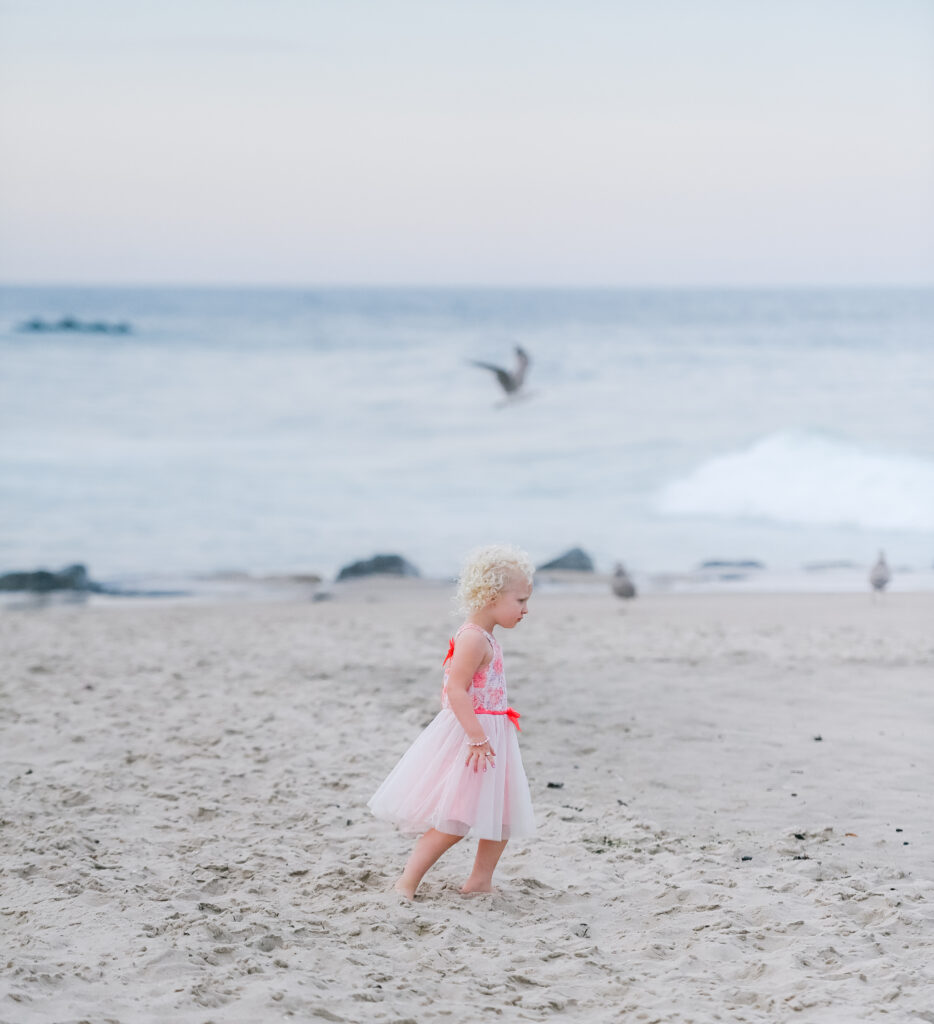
{"type": "Point", "coordinates": [497, 143]}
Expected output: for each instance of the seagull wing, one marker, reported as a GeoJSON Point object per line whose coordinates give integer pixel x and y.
{"type": "Point", "coordinates": [503, 376]}
{"type": "Point", "coordinates": [522, 364]}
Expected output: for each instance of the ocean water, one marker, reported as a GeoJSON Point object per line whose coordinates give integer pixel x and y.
{"type": "Point", "coordinates": [280, 431]}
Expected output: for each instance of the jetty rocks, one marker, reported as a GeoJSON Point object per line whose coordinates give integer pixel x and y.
{"type": "Point", "coordinates": [379, 565]}
{"type": "Point", "coordinates": [727, 563]}
{"type": "Point", "coordinates": [41, 581]}
{"type": "Point", "coordinates": [71, 324]}
{"type": "Point", "coordinates": [73, 579]}
{"type": "Point", "coordinates": [575, 559]}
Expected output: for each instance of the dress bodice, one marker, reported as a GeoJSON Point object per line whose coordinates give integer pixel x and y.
{"type": "Point", "coordinates": [488, 687]}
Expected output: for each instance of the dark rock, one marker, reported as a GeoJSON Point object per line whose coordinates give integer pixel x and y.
{"type": "Point", "coordinates": [747, 857]}
{"type": "Point", "coordinates": [100, 588]}
{"type": "Point", "coordinates": [818, 738]}
{"type": "Point", "coordinates": [576, 559]}
{"type": "Point", "coordinates": [41, 581]}
{"type": "Point", "coordinates": [725, 563]}
{"type": "Point", "coordinates": [73, 579]}
{"type": "Point", "coordinates": [555, 785]}
{"type": "Point", "coordinates": [70, 323]}
{"type": "Point", "coordinates": [379, 565]}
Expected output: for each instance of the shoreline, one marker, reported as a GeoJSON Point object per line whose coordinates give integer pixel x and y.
{"type": "Point", "coordinates": [233, 588]}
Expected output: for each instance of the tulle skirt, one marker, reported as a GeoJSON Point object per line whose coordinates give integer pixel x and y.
{"type": "Point", "coordinates": [430, 787]}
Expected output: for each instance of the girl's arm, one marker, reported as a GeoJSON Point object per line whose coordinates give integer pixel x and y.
{"type": "Point", "coordinates": [469, 654]}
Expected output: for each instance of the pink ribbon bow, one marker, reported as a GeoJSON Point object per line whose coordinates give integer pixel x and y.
{"type": "Point", "coordinates": [510, 713]}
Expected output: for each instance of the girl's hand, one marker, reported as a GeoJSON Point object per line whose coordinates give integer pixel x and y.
{"type": "Point", "coordinates": [480, 757]}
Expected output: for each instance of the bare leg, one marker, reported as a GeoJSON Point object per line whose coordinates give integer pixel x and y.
{"type": "Point", "coordinates": [428, 849]}
{"type": "Point", "coordinates": [489, 852]}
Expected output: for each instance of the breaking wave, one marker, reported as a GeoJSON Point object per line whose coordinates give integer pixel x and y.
{"type": "Point", "coordinates": [799, 477]}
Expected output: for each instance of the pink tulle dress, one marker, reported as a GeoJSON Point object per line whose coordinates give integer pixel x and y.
{"type": "Point", "coordinates": [431, 787]}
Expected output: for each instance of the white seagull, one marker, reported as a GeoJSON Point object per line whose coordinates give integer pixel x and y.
{"type": "Point", "coordinates": [621, 583]}
{"type": "Point", "coordinates": [879, 574]}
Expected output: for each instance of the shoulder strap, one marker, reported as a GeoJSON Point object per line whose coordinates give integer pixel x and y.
{"type": "Point", "coordinates": [479, 629]}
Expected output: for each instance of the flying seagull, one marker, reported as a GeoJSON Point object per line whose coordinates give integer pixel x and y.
{"type": "Point", "coordinates": [879, 574]}
{"type": "Point", "coordinates": [509, 382]}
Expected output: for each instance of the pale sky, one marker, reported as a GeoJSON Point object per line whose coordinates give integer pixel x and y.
{"type": "Point", "coordinates": [474, 142]}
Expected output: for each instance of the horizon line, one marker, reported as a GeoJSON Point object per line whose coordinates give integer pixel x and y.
{"type": "Point", "coordinates": [462, 286]}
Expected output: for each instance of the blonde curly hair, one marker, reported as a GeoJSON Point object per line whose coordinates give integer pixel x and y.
{"type": "Point", "coordinates": [488, 571]}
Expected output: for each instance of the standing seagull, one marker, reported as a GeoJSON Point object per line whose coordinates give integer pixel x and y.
{"type": "Point", "coordinates": [510, 382]}
{"type": "Point", "coordinates": [621, 583]}
{"type": "Point", "coordinates": [879, 574]}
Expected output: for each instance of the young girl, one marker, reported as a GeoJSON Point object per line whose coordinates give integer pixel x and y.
{"type": "Point", "coordinates": [464, 771]}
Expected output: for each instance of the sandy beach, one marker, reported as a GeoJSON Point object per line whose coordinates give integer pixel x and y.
{"type": "Point", "coordinates": [733, 796]}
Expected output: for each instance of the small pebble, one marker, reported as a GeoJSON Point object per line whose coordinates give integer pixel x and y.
{"type": "Point", "coordinates": [899, 830]}
{"type": "Point", "coordinates": [747, 857]}
{"type": "Point", "coordinates": [818, 738]}
{"type": "Point", "coordinates": [798, 835]}
{"type": "Point", "coordinates": [556, 785]}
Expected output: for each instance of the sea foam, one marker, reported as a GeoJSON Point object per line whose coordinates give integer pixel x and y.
{"type": "Point", "coordinates": [808, 478]}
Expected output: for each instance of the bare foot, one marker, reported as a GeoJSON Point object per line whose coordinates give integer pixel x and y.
{"type": "Point", "coordinates": [469, 887]}
{"type": "Point", "coordinates": [407, 891]}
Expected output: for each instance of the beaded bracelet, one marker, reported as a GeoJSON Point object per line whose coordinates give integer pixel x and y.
{"type": "Point", "coordinates": [480, 743]}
